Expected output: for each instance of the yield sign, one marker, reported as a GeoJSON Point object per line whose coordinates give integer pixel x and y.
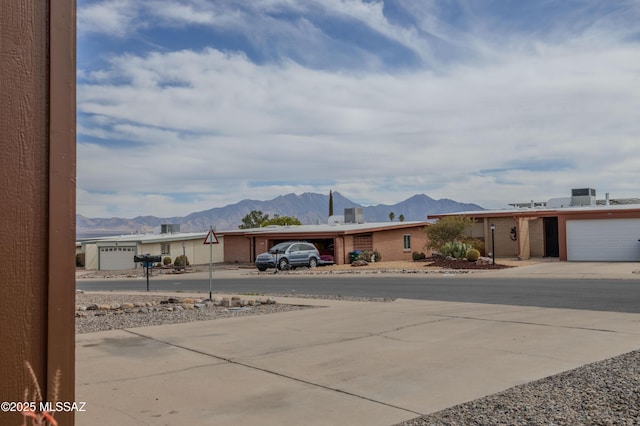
{"type": "Point", "coordinates": [211, 238]}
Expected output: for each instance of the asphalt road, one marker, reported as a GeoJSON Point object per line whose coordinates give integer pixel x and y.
{"type": "Point", "coordinates": [599, 295]}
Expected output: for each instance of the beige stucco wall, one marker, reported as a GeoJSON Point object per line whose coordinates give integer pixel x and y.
{"type": "Point", "coordinates": [536, 237]}
{"type": "Point", "coordinates": [90, 256]}
{"type": "Point", "coordinates": [196, 251]}
{"type": "Point", "coordinates": [505, 246]}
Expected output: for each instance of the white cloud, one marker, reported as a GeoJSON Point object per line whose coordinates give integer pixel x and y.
{"type": "Point", "coordinates": [117, 18]}
{"type": "Point", "coordinates": [521, 124]}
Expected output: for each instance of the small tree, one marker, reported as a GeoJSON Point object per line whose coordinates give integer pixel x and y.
{"type": "Point", "coordinates": [391, 216]}
{"type": "Point", "coordinates": [401, 218]}
{"type": "Point", "coordinates": [447, 229]}
{"type": "Point", "coordinates": [255, 219]}
{"type": "Point", "coordinates": [282, 220]}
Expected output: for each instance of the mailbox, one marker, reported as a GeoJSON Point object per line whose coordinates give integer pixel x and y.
{"type": "Point", "coordinates": [148, 261]}
{"type": "Point", "coordinates": [147, 258]}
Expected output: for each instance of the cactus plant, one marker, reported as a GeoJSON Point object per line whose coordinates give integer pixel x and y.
{"type": "Point", "coordinates": [455, 249]}
{"type": "Point", "coordinates": [473, 255]}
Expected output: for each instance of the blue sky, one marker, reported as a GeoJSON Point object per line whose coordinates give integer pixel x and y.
{"type": "Point", "coordinates": [193, 104]}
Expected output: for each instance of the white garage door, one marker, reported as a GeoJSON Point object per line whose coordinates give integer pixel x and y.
{"type": "Point", "coordinates": [115, 258]}
{"type": "Point", "coordinates": [609, 240]}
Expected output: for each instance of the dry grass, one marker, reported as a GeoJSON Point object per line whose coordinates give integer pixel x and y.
{"type": "Point", "coordinates": [38, 418]}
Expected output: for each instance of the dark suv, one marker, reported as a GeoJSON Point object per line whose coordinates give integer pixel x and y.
{"type": "Point", "coordinates": [289, 254]}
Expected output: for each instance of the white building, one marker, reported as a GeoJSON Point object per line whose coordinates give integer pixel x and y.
{"type": "Point", "coordinates": [116, 253]}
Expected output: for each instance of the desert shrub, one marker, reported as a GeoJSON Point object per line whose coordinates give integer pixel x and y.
{"type": "Point", "coordinates": [166, 261]}
{"type": "Point", "coordinates": [476, 244]}
{"type": "Point", "coordinates": [417, 256]}
{"type": "Point", "coordinates": [367, 255]}
{"type": "Point", "coordinates": [80, 260]}
{"type": "Point", "coordinates": [179, 261]}
{"type": "Point", "coordinates": [473, 255]}
{"type": "Point", "coordinates": [447, 229]}
{"type": "Point", "coordinates": [455, 249]}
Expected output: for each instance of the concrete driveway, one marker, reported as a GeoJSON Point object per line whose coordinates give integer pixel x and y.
{"type": "Point", "coordinates": [355, 363]}
{"type": "Point", "coordinates": [573, 270]}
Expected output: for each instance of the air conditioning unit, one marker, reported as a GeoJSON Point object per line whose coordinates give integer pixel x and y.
{"type": "Point", "coordinates": [172, 228]}
{"type": "Point", "coordinates": [354, 215]}
{"type": "Point", "coordinates": [583, 197]}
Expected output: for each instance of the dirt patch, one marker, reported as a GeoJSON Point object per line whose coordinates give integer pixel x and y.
{"type": "Point", "coordinates": [446, 263]}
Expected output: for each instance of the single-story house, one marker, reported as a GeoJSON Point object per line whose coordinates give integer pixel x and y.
{"type": "Point", "coordinates": [393, 240]}
{"type": "Point", "coordinates": [116, 253]}
{"type": "Point", "coordinates": [579, 228]}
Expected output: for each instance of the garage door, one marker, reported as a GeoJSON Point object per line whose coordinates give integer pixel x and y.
{"type": "Point", "coordinates": [116, 258]}
{"type": "Point", "coordinates": [610, 240]}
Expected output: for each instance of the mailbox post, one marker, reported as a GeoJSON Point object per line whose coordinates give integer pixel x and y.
{"type": "Point", "coordinates": [147, 260]}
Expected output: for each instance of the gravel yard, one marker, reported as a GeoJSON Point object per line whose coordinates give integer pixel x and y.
{"type": "Point", "coordinates": [149, 310]}
{"type": "Point", "coordinates": [602, 393]}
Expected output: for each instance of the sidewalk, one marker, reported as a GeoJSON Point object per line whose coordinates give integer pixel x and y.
{"type": "Point", "coordinates": [569, 270]}
{"type": "Point", "coordinates": [356, 363]}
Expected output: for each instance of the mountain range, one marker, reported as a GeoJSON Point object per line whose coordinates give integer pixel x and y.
{"type": "Point", "coordinates": [309, 208]}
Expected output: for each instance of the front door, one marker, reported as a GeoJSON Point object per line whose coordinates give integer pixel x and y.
{"type": "Point", "coordinates": [551, 245]}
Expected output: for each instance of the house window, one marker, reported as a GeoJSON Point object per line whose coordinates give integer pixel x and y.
{"type": "Point", "coordinates": [166, 248]}
{"type": "Point", "coordinates": [407, 242]}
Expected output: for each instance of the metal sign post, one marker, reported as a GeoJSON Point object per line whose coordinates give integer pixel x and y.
{"type": "Point", "coordinates": [211, 239]}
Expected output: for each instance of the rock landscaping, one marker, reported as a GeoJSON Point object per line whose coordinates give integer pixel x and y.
{"type": "Point", "coordinates": [100, 312]}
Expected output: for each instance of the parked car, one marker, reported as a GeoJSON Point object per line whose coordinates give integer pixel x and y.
{"type": "Point", "coordinates": [289, 254]}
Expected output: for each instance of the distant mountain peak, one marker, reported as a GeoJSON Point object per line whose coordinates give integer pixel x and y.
{"type": "Point", "coordinates": [310, 207]}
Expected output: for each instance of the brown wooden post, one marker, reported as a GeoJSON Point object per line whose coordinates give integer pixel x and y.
{"type": "Point", "coordinates": [37, 199]}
